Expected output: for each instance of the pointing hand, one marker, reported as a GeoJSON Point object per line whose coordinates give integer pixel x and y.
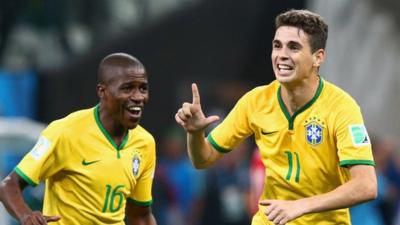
{"type": "Point", "coordinates": [191, 116]}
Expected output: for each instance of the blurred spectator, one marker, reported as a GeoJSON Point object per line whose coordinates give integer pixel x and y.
{"type": "Point", "coordinates": [227, 194]}
{"type": "Point", "coordinates": [387, 158]}
{"type": "Point", "coordinates": [397, 219]}
{"type": "Point", "coordinates": [227, 189]}
{"type": "Point", "coordinates": [372, 208]}
{"type": "Point", "coordinates": [381, 211]}
{"type": "Point", "coordinates": [178, 186]}
{"type": "Point", "coordinates": [257, 176]}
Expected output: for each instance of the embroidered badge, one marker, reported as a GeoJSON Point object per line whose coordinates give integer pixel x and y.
{"type": "Point", "coordinates": [135, 165]}
{"type": "Point", "coordinates": [314, 129]}
{"type": "Point", "coordinates": [359, 135]}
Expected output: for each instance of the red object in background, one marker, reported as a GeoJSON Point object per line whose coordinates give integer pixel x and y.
{"type": "Point", "coordinates": [257, 176]}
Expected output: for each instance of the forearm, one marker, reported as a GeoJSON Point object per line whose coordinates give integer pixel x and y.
{"type": "Point", "coordinates": [12, 199]}
{"type": "Point", "coordinates": [139, 215]}
{"type": "Point", "coordinates": [355, 191]}
{"type": "Point", "coordinates": [150, 220]}
{"type": "Point", "coordinates": [200, 151]}
{"type": "Point", "coordinates": [144, 220]}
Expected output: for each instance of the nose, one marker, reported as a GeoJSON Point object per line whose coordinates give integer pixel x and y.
{"type": "Point", "coordinates": [137, 95]}
{"type": "Point", "coordinates": [282, 53]}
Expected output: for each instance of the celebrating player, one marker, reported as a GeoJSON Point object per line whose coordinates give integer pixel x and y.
{"type": "Point", "coordinates": [310, 133]}
{"type": "Point", "coordinates": [98, 163]}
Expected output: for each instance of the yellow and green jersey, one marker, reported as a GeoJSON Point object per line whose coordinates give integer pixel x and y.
{"type": "Point", "coordinates": [88, 177]}
{"type": "Point", "coordinates": [305, 154]}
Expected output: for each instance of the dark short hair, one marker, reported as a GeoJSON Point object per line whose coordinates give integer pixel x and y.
{"type": "Point", "coordinates": [311, 23]}
{"type": "Point", "coordinates": [115, 60]}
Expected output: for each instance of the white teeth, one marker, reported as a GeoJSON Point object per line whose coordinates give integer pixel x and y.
{"type": "Point", "coordinates": [284, 67]}
{"type": "Point", "coordinates": [135, 108]}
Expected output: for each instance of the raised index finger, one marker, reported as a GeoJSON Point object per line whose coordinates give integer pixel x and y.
{"type": "Point", "coordinates": [195, 94]}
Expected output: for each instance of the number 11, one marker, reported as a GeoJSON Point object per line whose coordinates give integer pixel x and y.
{"type": "Point", "coordinates": [290, 162]}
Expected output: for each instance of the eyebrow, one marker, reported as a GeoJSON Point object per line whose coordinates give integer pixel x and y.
{"type": "Point", "coordinates": [276, 41]}
{"type": "Point", "coordinates": [294, 43]}
{"type": "Point", "coordinates": [289, 43]}
{"type": "Point", "coordinates": [142, 82]}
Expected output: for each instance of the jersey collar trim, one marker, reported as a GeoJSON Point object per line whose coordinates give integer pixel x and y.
{"type": "Point", "coordinates": [302, 109]}
{"type": "Point", "coordinates": [106, 134]}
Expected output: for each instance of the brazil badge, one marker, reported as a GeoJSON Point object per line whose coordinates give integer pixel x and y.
{"type": "Point", "coordinates": [314, 130]}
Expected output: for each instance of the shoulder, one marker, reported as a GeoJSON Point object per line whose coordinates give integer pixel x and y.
{"type": "Point", "coordinates": [264, 91]}
{"type": "Point", "coordinates": [337, 96]}
{"type": "Point", "coordinates": [141, 133]}
{"type": "Point", "coordinates": [71, 123]}
{"type": "Point", "coordinates": [261, 97]}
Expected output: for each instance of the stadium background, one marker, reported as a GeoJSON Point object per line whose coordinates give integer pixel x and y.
{"type": "Point", "coordinates": [49, 52]}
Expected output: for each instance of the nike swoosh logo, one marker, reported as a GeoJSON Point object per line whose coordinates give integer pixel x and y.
{"type": "Point", "coordinates": [268, 133]}
{"type": "Point", "coordinates": [88, 163]}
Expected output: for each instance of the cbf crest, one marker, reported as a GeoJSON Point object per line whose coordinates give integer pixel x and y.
{"type": "Point", "coordinates": [136, 164]}
{"type": "Point", "coordinates": [314, 129]}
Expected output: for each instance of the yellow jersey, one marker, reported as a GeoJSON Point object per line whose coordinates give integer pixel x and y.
{"type": "Point", "coordinates": [305, 154]}
{"type": "Point", "coordinates": [88, 177]}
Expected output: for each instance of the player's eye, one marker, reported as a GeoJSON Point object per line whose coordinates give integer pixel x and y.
{"type": "Point", "coordinates": [294, 47]}
{"type": "Point", "coordinates": [126, 88]}
{"type": "Point", "coordinates": [276, 45]}
{"type": "Point", "coordinates": [143, 88]}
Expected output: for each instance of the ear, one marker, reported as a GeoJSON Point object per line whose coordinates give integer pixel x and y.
{"type": "Point", "coordinates": [101, 89]}
{"type": "Point", "coordinates": [318, 57]}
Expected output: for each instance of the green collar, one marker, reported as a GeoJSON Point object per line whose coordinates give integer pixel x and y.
{"type": "Point", "coordinates": [106, 134]}
{"type": "Point", "coordinates": [303, 108]}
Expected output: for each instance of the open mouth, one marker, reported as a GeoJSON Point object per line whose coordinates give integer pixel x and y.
{"type": "Point", "coordinates": [134, 111]}
{"type": "Point", "coordinates": [284, 67]}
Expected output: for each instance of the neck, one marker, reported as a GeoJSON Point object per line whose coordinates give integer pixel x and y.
{"type": "Point", "coordinates": [116, 131]}
{"type": "Point", "coordinates": [297, 95]}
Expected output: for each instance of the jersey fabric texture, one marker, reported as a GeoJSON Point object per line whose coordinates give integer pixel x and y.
{"type": "Point", "coordinates": [88, 177]}
{"type": "Point", "coordinates": [305, 154]}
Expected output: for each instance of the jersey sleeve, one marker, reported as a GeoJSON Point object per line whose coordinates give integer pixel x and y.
{"type": "Point", "coordinates": [44, 159]}
{"type": "Point", "coordinates": [353, 143]}
{"type": "Point", "coordinates": [141, 195]}
{"type": "Point", "coordinates": [233, 129]}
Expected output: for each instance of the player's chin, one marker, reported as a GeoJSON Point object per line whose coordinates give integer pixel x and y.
{"type": "Point", "coordinates": [284, 75]}
{"type": "Point", "coordinates": [284, 79]}
{"type": "Point", "coordinates": [132, 123]}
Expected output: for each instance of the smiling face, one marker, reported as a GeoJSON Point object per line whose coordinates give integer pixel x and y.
{"type": "Point", "coordinates": [123, 94]}
{"type": "Point", "coordinates": [292, 59]}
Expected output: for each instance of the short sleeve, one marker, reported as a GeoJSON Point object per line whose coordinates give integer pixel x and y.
{"type": "Point", "coordinates": [142, 193]}
{"type": "Point", "coordinates": [353, 143]}
{"type": "Point", "coordinates": [233, 129]}
{"type": "Point", "coordinates": [43, 160]}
